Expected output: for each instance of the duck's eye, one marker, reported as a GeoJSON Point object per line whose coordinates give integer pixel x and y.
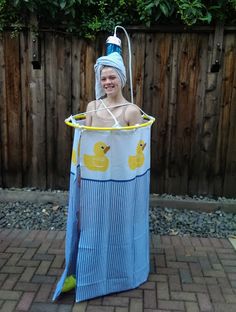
{"type": "Point", "coordinates": [102, 147]}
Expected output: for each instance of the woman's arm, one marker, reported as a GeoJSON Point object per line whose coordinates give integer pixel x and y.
{"type": "Point", "coordinates": [88, 121]}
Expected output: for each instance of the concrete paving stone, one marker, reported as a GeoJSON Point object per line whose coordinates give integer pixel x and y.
{"type": "Point", "coordinates": [150, 300]}
{"type": "Point", "coordinates": [2, 262]}
{"type": "Point", "coordinates": [16, 250]}
{"type": "Point", "coordinates": [29, 263]}
{"type": "Point", "coordinates": [56, 251]}
{"type": "Point", "coordinates": [214, 273]}
{"type": "Point", "coordinates": [167, 271]}
{"type": "Point", "coordinates": [100, 309]}
{"type": "Point", "coordinates": [204, 302]}
{"type": "Point", "coordinates": [30, 244]}
{"type": "Point", "coordinates": [171, 305]}
{"type": "Point", "coordinates": [58, 262]}
{"type": "Point", "coordinates": [80, 307]}
{"type": "Point", "coordinates": [198, 288]}
{"type": "Point", "coordinates": [185, 276]}
{"type": "Point", "coordinates": [136, 305]}
{"type": "Point", "coordinates": [43, 279]}
{"type": "Point", "coordinates": [46, 257]}
{"type": "Point", "coordinates": [13, 259]}
{"type": "Point", "coordinates": [55, 272]}
{"type": "Point", "coordinates": [10, 295]}
{"type": "Point", "coordinates": [205, 280]}
{"type": "Point", "coordinates": [122, 309]}
{"type": "Point", "coordinates": [192, 307]}
{"type": "Point", "coordinates": [27, 274]}
{"type": "Point", "coordinates": [195, 269]}
{"type": "Point", "coordinates": [43, 293]}
{"type": "Point", "coordinates": [157, 278]}
{"type": "Point", "coordinates": [4, 255]}
{"type": "Point", "coordinates": [65, 308]}
{"type": "Point", "coordinates": [184, 296]}
{"type": "Point", "coordinates": [178, 265]}
{"type": "Point", "coordinates": [160, 261]}
{"type": "Point", "coordinates": [115, 301]}
{"type": "Point", "coordinates": [25, 301]}
{"type": "Point", "coordinates": [44, 247]}
{"type": "Point", "coordinates": [174, 283]}
{"type": "Point", "coordinates": [97, 301]}
{"type": "Point", "coordinates": [44, 307]}
{"type": "Point", "coordinates": [10, 281]}
{"type": "Point", "coordinates": [163, 291]}
{"type": "Point", "coordinates": [43, 267]}
{"type": "Point", "coordinates": [148, 285]}
{"type": "Point", "coordinates": [215, 293]}
{"type": "Point", "coordinates": [224, 307]}
{"type": "Point", "coordinates": [8, 306]}
{"type": "Point", "coordinates": [134, 293]}
{"type": "Point", "coordinates": [12, 269]}
{"type": "Point", "coordinates": [26, 286]}
{"type": "Point", "coordinates": [230, 298]}
{"type": "Point", "coordinates": [29, 253]}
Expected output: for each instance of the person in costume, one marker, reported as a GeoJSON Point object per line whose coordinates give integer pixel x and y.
{"type": "Point", "coordinates": [111, 109]}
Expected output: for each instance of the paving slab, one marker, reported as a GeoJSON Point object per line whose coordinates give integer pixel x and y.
{"type": "Point", "coordinates": [186, 274]}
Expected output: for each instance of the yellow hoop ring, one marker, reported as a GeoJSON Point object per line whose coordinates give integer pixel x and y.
{"type": "Point", "coordinates": [82, 116]}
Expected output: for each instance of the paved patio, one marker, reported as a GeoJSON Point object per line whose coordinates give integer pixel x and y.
{"type": "Point", "coordinates": [187, 274]}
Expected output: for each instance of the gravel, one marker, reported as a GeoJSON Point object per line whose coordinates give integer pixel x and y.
{"type": "Point", "coordinates": [163, 221]}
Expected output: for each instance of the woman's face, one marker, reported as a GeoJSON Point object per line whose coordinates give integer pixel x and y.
{"type": "Point", "coordinates": [110, 81]}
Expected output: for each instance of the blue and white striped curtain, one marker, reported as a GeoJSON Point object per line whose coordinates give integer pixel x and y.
{"type": "Point", "coordinates": [107, 239]}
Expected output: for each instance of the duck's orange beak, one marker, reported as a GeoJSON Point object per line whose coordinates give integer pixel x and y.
{"type": "Point", "coordinates": [106, 149]}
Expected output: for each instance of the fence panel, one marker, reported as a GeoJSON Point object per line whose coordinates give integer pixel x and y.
{"type": "Point", "coordinates": [193, 139]}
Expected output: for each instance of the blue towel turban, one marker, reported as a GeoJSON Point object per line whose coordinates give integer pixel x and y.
{"type": "Point", "coordinates": [112, 60]}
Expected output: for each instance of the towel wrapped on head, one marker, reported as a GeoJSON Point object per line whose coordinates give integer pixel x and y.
{"type": "Point", "coordinates": [112, 60]}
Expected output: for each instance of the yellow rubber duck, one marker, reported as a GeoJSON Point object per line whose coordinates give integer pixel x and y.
{"type": "Point", "coordinates": [74, 156]}
{"type": "Point", "coordinates": [137, 160]}
{"type": "Point", "coordinates": [98, 161]}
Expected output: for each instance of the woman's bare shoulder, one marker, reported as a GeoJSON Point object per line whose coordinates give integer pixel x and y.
{"type": "Point", "coordinates": [133, 114]}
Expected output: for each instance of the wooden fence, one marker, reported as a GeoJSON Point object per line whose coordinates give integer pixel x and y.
{"type": "Point", "coordinates": [193, 139]}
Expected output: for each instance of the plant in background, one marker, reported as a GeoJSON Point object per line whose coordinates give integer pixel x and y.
{"type": "Point", "coordinates": [87, 18]}
{"type": "Point", "coordinates": [193, 11]}
{"type": "Point", "coordinates": [151, 11]}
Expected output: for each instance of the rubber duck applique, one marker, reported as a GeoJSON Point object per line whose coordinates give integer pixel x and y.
{"type": "Point", "coordinates": [137, 160]}
{"type": "Point", "coordinates": [98, 161]}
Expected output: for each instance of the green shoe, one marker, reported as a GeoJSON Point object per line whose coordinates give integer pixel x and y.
{"type": "Point", "coordinates": [69, 284]}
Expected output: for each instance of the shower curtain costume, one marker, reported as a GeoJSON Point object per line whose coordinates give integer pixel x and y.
{"type": "Point", "coordinates": [107, 238]}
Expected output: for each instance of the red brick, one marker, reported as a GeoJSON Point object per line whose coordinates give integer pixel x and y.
{"type": "Point", "coordinates": [25, 301]}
